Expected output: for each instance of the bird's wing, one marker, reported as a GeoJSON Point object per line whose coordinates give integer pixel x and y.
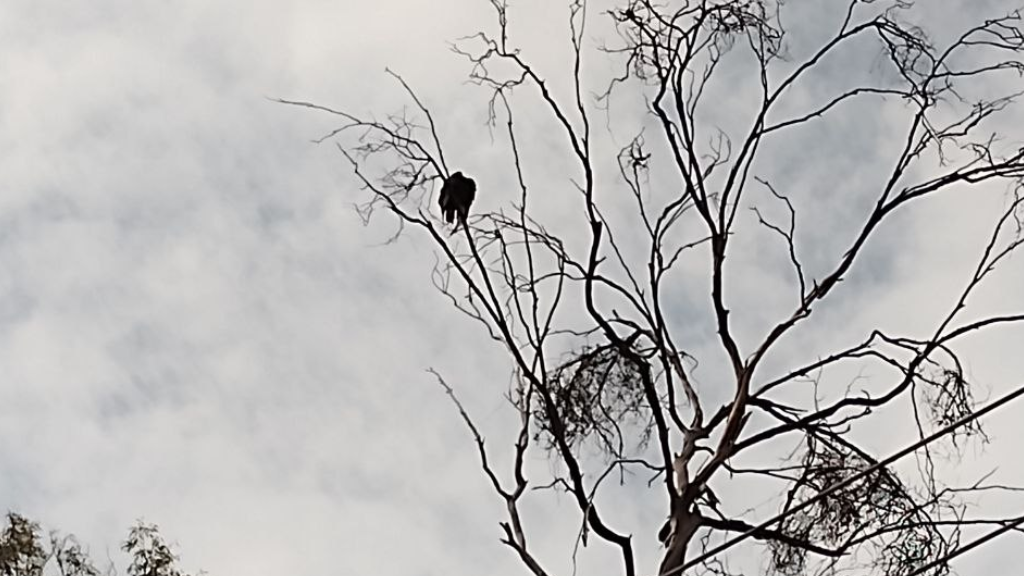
{"type": "Point", "coordinates": [468, 191]}
{"type": "Point", "coordinates": [446, 192]}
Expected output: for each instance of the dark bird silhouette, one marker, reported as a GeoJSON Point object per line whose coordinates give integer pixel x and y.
{"type": "Point", "coordinates": [457, 195]}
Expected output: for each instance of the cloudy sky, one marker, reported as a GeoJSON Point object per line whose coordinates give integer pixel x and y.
{"type": "Point", "coordinates": [196, 329]}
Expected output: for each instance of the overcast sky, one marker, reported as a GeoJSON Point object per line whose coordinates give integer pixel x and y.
{"type": "Point", "coordinates": [196, 329]}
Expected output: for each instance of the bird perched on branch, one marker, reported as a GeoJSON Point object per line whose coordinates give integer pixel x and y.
{"type": "Point", "coordinates": [457, 195]}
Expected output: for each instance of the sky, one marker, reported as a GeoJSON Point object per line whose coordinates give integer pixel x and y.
{"type": "Point", "coordinates": [197, 329]}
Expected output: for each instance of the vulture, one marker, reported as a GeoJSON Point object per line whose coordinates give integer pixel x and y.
{"type": "Point", "coordinates": [457, 195]}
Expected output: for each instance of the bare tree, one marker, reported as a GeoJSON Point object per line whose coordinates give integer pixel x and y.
{"type": "Point", "coordinates": [584, 308]}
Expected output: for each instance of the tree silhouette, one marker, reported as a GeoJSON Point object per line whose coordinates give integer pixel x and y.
{"type": "Point", "coordinates": [587, 305]}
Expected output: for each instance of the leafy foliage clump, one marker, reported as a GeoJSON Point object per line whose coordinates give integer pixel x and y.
{"type": "Point", "coordinates": [21, 547]}
{"type": "Point", "coordinates": [151, 556]}
{"type": "Point", "coordinates": [878, 508]}
{"type": "Point", "coordinates": [25, 552]}
{"type": "Point", "coordinates": [596, 395]}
